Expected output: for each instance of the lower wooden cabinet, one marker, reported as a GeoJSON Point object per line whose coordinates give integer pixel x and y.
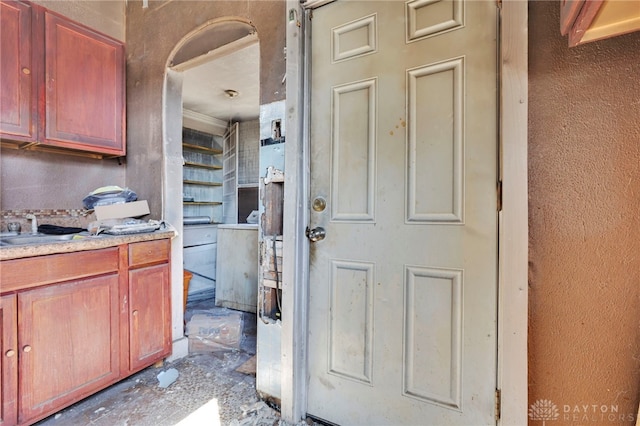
{"type": "Point", "coordinates": [8, 360]}
{"type": "Point", "coordinates": [149, 326]}
{"type": "Point", "coordinates": [69, 335]}
{"type": "Point", "coordinates": [69, 346]}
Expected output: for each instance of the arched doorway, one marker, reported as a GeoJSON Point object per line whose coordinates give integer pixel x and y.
{"type": "Point", "coordinates": [211, 88]}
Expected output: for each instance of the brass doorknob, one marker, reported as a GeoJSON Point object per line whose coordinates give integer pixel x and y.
{"type": "Point", "coordinates": [319, 204]}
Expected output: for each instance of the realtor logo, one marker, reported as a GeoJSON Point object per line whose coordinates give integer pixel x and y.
{"type": "Point", "coordinates": [543, 410]}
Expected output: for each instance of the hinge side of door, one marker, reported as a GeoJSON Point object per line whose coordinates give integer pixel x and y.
{"type": "Point", "coordinates": [498, 404]}
{"type": "Point", "coordinates": [499, 195]}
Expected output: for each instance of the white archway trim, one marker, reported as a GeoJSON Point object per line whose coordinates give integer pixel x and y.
{"type": "Point", "coordinates": [220, 52]}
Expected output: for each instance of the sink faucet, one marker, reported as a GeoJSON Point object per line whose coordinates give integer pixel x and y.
{"type": "Point", "coordinates": [34, 222]}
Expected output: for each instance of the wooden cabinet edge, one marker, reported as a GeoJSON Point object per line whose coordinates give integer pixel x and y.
{"type": "Point", "coordinates": [598, 19]}
{"type": "Point", "coordinates": [569, 10]}
{"type": "Point", "coordinates": [30, 272]}
{"type": "Point", "coordinates": [7, 143]}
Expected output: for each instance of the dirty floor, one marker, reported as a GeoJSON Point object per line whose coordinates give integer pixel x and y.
{"type": "Point", "coordinates": [209, 390]}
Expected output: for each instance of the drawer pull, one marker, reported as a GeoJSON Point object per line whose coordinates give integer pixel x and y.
{"type": "Point", "coordinates": [26, 71]}
{"type": "Point", "coordinates": [10, 353]}
{"type": "Point", "coordinates": [27, 348]}
{"type": "Point", "coordinates": [135, 313]}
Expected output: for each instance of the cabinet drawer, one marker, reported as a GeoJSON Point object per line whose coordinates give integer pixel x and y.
{"type": "Point", "coordinates": [149, 252]}
{"type": "Point", "coordinates": [35, 271]}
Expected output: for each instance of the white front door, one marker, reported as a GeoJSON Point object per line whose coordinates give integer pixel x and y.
{"type": "Point", "coordinates": [403, 287]}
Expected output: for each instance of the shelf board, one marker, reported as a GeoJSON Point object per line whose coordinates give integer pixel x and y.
{"type": "Point", "coordinates": [193, 147]}
{"type": "Point", "coordinates": [202, 166]}
{"type": "Point", "coordinates": [198, 182]}
{"type": "Point", "coordinates": [201, 203]}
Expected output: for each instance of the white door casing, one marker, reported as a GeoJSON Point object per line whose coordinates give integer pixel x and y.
{"type": "Point", "coordinates": [403, 147]}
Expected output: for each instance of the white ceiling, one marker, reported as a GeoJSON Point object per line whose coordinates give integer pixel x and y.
{"type": "Point", "coordinates": [203, 87]}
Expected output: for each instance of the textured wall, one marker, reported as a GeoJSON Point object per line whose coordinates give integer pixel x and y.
{"type": "Point", "coordinates": [34, 180]}
{"type": "Point", "coordinates": [152, 33]}
{"type": "Point", "coordinates": [106, 16]}
{"type": "Point", "coordinates": [584, 229]}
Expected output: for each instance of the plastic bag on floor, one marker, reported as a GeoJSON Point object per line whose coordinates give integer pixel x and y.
{"type": "Point", "coordinates": [211, 331]}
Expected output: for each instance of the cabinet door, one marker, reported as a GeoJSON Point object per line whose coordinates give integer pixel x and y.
{"type": "Point", "coordinates": [84, 93]}
{"type": "Point", "coordinates": [8, 361]}
{"type": "Point", "coordinates": [18, 107]}
{"type": "Point", "coordinates": [69, 343]}
{"type": "Point", "coordinates": [150, 315]}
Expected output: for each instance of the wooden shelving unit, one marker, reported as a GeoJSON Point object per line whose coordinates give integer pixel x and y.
{"type": "Point", "coordinates": [202, 166]}
{"type": "Point", "coordinates": [197, 182]}
{"type": "Point", "coordinates": [193, 147]}
{"type": "Point", "coordinates": [202, 174]}
{"type": "Point", "coordinates": [202, 203]}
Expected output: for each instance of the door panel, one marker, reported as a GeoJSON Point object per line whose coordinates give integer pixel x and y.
{"type": "Point", "coordinates": [350, 328]}
{"type": "Point", "coordinates": [434, 181]}
{"type": "Point", "coordinates": [402, 323]}
{"type": "Point", "coordinates": [353, 118]}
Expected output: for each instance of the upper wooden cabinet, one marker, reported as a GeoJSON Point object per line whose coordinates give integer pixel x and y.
{"type": "Point", "coordinates": [18, 99]}
{"type": "Point", "coordinates": [590, 20]}
{"type": "Point", "coordinates": [63, 83]}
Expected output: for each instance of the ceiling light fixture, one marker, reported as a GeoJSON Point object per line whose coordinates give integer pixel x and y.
{"type": "Point", "coordinates": [230, 93]}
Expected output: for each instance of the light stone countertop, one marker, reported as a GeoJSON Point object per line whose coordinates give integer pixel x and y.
{"type": "Point", "coordinates": [84, 244]}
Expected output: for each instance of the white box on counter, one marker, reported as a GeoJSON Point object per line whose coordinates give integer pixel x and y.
{"type": "Point", "coordinates": [122, 210]}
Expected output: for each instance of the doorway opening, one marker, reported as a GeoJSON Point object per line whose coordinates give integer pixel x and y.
{"type": "Point", "coordinates": [212, 140]}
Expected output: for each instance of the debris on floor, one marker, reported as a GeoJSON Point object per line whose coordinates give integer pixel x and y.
{"type": "Point", "coordinates": [258, 414]}
{"type": "Point", "coordinates": [208, 386]}
{"type": "Point", "coordinates": [261, 414]}
{"type": "Point", "coordinates": [167, 378]}
{"type": "Point", "coordinates": [248, 367]}
{"type": "Point", "coordinates": [214, 330]}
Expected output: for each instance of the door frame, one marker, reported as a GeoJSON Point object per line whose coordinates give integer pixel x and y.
{"type": "Point", "coordinates": [513, 218]}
